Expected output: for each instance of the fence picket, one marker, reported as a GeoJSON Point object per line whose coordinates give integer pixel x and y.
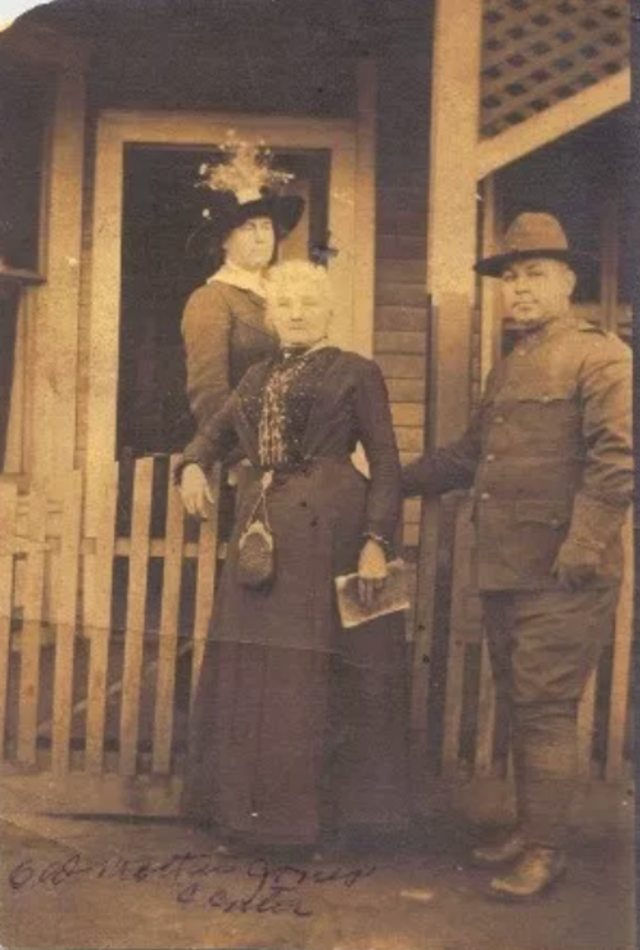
{"type": "Point", "coordinates": [66, 620]}
{"type": "Point", "coordinates": [486, 714]}
{"type": "Point", "coordinates": [30, 639]}
{"type": "Point", "coordinates": [169, 617]}
{"type": "Point", "coordinates": [136, 611]}
{"type": "Point", "coordinates": [623, 642]}
{"type": "Point", "coordinates": [98, 578]}
{"type": "Point", "coordinates": [205, 581]}
{"type": "Point", "coordinates": [8, 510]}
{"type": "Point", "coordinates": [422, 641]}
{"type": "Point", "coordinates": [457, 641]}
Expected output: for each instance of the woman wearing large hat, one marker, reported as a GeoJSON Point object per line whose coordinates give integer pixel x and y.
{"type": "Point", "coordinates": [243, 219]}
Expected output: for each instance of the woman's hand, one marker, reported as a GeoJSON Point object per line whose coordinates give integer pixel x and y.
{"type": "Point", "coordinates": [372, 571]}
{"type": "Point", "coordinates": [195, 491]}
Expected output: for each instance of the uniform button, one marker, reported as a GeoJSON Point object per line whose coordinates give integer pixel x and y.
{"type": "Point", "coordinates": [555, 522]}
{"type": "Point", "coordinates": [499, 420]}
{"type": "Point", "coordinates": [485, 496]}
{"type": "Point", "coordinates": [546, 398]}
{"type": "Point", "coordinates": [490, 458]}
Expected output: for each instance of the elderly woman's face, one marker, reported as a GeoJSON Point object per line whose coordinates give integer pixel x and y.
{"type": "Point", "coordinates": [251, 245]}
{"type": "Point", "coordinates": [300, 312]}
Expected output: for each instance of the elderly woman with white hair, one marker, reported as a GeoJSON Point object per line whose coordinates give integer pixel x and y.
{"type": "Point", "coordinates": [299, 724]}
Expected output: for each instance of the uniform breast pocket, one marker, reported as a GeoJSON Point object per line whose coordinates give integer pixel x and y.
{"type": "Point", "coordinates": [548, 415]}
{"type": "Point", "coordinates": [548, 392]}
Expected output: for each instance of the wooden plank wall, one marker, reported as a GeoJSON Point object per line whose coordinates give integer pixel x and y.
{"type": "Point", "coordinates": [401, 240]}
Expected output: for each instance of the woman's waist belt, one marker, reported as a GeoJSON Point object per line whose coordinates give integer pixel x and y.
{"type": "Point", "coordinates": [300, 466]}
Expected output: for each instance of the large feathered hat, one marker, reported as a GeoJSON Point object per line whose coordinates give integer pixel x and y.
{"type": "Point", "coordinates": [242, 184]}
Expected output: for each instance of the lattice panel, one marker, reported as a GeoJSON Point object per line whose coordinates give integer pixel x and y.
{"type": "Point", "coordinates": [538, 52]}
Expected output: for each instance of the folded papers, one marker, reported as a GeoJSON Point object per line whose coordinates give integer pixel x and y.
{"type": "Point", "coordinates": [392, 598]}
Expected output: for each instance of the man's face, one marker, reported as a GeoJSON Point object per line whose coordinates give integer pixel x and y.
{"type": "Point", "coordinates": [251, 245]}
{"type": "Point", "coordinates": [537, 290]}
{"type": "Point", "coordinates": [300, 312]}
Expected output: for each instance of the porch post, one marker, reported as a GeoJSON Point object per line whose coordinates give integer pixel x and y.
{"type": "Point", "coordinates": [56, 333]}
{"type": "Point", "coordinates": [451, 251]}
{"type": "Point", "coordinates": [452, 212]}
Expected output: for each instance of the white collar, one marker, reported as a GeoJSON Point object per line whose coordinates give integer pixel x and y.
{"type": "Point", "coordinates": [241, 278]}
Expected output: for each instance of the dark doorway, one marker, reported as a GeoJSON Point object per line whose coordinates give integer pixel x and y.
{"type": "Point", "coordinates": [161, 209]}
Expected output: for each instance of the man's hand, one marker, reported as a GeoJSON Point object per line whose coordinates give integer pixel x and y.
{"type": "Point", "coordinates": [576, 565]}
{"type": "Point", "coordinates": [195, 491]}
{"type": "Point", "coordinates": [372, 572]}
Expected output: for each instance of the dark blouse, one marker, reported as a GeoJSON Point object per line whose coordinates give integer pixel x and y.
{"type": "Point", "coordinates": [338, 400]}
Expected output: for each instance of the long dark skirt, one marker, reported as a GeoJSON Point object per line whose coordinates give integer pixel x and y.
{"type": "Point", "coordinates": [298, 725]}
{"type": "Point", "coordinates": [294, 743]}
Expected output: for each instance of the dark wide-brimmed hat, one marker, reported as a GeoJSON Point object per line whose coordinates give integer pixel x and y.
{"type": "Point", "coordinates": [533, 234]}
{"type": "Point", "coordinates": [223, 211]}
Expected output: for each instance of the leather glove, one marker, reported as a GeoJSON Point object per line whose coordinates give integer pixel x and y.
{"type": "Point", "coordinates": [576, 565]}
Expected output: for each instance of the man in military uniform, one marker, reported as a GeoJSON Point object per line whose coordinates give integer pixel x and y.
{"type": "Point", "coordinates": [549, 461]}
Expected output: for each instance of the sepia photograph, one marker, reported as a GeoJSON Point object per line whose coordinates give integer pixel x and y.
{"type": "Point", "coordinates": [317, 474]}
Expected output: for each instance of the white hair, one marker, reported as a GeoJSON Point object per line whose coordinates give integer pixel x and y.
{"type": "Point", "coordinates": [297, 272]}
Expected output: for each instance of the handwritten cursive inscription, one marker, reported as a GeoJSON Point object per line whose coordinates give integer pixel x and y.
{"type": "Point", "coordinates": [229, 887]}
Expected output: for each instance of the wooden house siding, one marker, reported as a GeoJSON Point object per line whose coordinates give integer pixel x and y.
{"type": "Point", "coordinates": [401, 243]}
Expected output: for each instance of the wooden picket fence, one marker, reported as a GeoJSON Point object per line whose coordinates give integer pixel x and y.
{"type": "Point", "coordinates": [86, 630]}
{"type": "Point", "coordinates": [102, 634]}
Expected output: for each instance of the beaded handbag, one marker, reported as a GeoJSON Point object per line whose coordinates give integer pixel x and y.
{"type": "Point", "coordinates": [256, 566]}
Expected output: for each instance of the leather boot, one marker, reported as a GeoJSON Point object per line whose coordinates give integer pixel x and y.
{"type": "Point", "coordinates": [536, 871]}
{"type": "Point", "coordinates": [493, 855]}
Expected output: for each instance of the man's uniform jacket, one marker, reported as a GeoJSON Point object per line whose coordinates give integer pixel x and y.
{"type": "Point", "coordinates": [548, 456]}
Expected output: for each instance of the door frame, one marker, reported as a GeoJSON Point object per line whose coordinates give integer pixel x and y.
{"type": "Point", "coordinates": [351, 210]}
